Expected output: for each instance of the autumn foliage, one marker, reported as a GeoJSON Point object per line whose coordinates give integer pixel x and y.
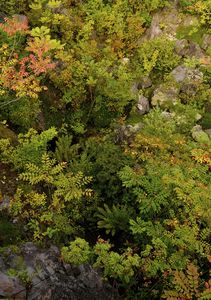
{"type": "Point", "coordinates": [22, 74]}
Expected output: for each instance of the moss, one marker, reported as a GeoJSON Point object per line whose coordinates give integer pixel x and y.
{"type": "Point", "coordinates": [206, 120]}
{"type": "Point", "coordinates": [134, 118]}
{"type": "Point", "coordinates": [6, 133]}
{"type": "Point", "coordinates": [192, 32]}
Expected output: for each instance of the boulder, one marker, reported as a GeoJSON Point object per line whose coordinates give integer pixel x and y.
{"type": "Point", "coordinates": [187, 48]}
{"type": "Point", "coordinates": [179, 74]}
{"type": "Point", "coordinates": [49, 278]}
{"type": "Point", "coordinates": [164, 22]}
{"type": "Point", "coordinates": [200, 136]}
{"type": "Point", "coordinates": [194, 50]}
{"type": "Point", "coordinates": [188, 78]}
{"type": "Point", "coordinates": [145, 82]}
{"type": "Point", "coordinates": [125, 133]}
{"type": "Point", "coordinates": [181, 47]}
{"type": "Point", "coordinates": [7, 133]}
{"type": "Point", "coordinates": [206, 42]}
{"type": "Point", "coordinates": [183, 74]}
{"type": "Point", "coordinates": [4, 202]}
{"type": "Point", "coordinates": [208, 131]}
{"type": "Point", "coordinates": [143, 105]}
{"type": "Point", "coordinates": [164, 95]}
{"type": "Point", "coordinates": [11, 287]}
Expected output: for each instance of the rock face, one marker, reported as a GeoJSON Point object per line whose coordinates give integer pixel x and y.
{"type": "Point", "coordinates": [188, 78]}
{"type": "Point", "coordinates": [6, 133]}
{"type": "Point", "coordinates": [126, 133]}
{"type": "Point", "coordinates": [165, 94]}
{"type": "Point", "coordinates": [185, 80]}
{"type": "Point", "coordinates": [188, 49]}
{"type": "Point", "coordinates": [11, 287]}
{"type": "Point", "coordinates": [206, 41]}
{"type": "Point", "coordinates": [183, 74]}
{"type": "Point", "coordinates": [200, 135]}
{"type": "Point", "coordinates": [164, 22]}
{"type": "Point", "coordinates": [48, 278]}
{"type": "Point", "coordinates": [143, 105]}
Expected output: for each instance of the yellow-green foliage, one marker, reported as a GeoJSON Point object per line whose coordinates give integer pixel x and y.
{"type": "Point", "coordinates": [198, 7]}
{"type": "Point", "coordinates": [117, 266]}
{"type": "Point", "coordinates": [187, 285]}
{"type": "Point", "coordinates": [77, 253]}
{"type": "Point", "coordinates": [49, 214]}
{"type": "Point", "coordinates": [31, 146]}
{"type": "Point", "coordinates": [158, 54]}
{"type": "Point", "coordinates": [11, 7]}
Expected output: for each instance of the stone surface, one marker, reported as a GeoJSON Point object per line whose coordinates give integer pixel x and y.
{"type": "Point", "coordinates": [11, 287]}
{"type": "Point", "coordinates": [188, 49]}
{"type": "Point", "coordinates": [49, 278]}
{"type": "Point", "coordinates": [183, 74]}
{"type": "Point", "coordinates": [165, 94]}
{"type": "Point", "coordinates": [206, 41]}
{"type": "Point", "coordinates": [200, 136]}
{"type": "Point", "coordinates": [145, 82]}
{"type": "Point", "coordinates": [188, 78]}
{"type": "Point", "coordinates": [143, 105]}
{"type": "Point", "coordinates": [194, 50]}
{"type": "Point", "coordinates": [7, 133]}
{"type": "Point", "coordinates": [126, 133]}
{"type": "Point", "coordinates": [208, 131]}
{"type": "Point", "coordinates": [179, 73]}
{"type": "Point", "coordinates": [164, 22]}
{"type": "Point", "coordinates": [181, 47]}
{"type": "Point", "coordinates": [4, 202]}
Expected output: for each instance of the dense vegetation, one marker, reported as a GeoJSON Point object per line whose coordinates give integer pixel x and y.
{"type": "Point", "coordinates": [135, 203]}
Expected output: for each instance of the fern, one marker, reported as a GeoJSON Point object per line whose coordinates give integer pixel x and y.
{"type": "Point", "coordinates": [113, 219]}
{"type": "Point", "coordinates": [65, 151]}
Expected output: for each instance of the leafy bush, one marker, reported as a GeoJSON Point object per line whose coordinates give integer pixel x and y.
{"type": "Point", "coordinates": [158, 55]}
{"type": "Point", "coordinates": [77, 253]}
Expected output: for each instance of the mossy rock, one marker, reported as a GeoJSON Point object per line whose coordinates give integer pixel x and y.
{"type": "Point", "coordinates": [191, 32]}
{"type": "Point", "coordinates": [7, 133]}
{"type": "Point", "coordinates": [134, 118]}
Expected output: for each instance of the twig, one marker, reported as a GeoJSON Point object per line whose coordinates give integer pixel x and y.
{"type": "Point", "coordinates": [11, 101]}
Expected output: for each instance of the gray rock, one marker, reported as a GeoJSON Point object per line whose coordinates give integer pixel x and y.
{"type": "Point", "coordinates": [125, 133]}
{"type": "Point", "coordinates": [5, 203]}
{"type": "Point", "coordinates": [188, 78]}
{"type": "Point", "coordinates": [188, 49]}
{"type": "Point", "coordinates": [189, 89]}
{"type": "Point", "coordinates": [49, 278]}
{"type": "Point", "coordinates": [208, 131]}
{"type": "Point", "coordinates": [181, 47]}
{"type": "Point", "coordinates": [11, 287]}
{"type": "Point", "coordinates": [200, 136]}
{"type": "Point", "coordinates": [194, 50]}
{"type": "Point", "coordinates": [165, 94]}
{"type": "Point", "coordinates": [145, 82]}
{"type": "Point", "coordinates": [206, 41]}
{"type": "Point", "coordinates": [164, 22]}
{"type": "Point", "coordinates": [143, 105]}
{"type": "Point", "coordinates": [179, 73]}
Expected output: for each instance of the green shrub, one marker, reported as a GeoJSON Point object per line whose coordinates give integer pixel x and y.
{"type": "Point", "coordinates": [77, 253]}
